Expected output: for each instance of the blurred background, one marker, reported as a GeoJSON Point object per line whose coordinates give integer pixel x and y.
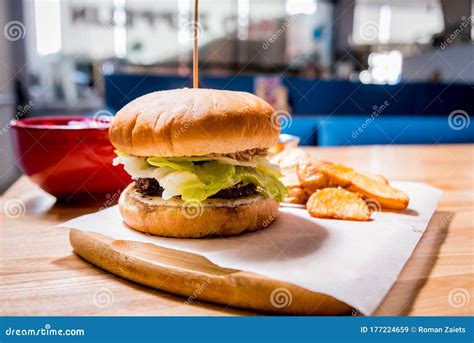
{"type": "Point", "coordinates": [339, 72]}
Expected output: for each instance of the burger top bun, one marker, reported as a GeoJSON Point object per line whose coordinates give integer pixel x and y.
{"type": "Point", "coordinates": [194, 122]}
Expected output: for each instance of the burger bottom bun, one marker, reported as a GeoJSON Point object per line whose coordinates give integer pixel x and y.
{"type": "Point", "coordinates": [176, 218]}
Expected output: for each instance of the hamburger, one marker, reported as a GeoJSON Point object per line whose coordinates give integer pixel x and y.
{"type": "Point", "coordinates": [198, 162]}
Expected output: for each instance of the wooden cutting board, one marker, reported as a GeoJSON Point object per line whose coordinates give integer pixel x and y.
{"type": "Point", "coordinates": [195, 277]}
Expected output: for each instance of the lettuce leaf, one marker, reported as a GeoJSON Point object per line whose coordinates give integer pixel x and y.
{"type": "Point", "coordinates": [220, 159]}
{"type": "Point", "coordinates": [170, 163]}
{"type": "Point", "coordinates": [179, 176]}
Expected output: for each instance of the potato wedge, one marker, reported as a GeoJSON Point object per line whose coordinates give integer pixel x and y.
{"type": "Point", "coordinates": [296, 195]}
{"type": "Point", "coordinates": [388, 197]}
{"type": "Point", "coordinates": [337, 203]}
{"type": "Point", "coordinates": [291, 180]}
{"type": "Point", "coordinates": [289, 159]}
{"type": "Point", "coordinates": [378, 177]}
{"type": "Point", "coordinates": [311, 178]}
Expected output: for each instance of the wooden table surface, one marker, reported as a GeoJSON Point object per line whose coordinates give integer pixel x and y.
{"type": "Point", "coordinates": [40, 275]}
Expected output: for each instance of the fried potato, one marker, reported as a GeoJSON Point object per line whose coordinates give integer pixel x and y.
{"type": "Point", "coordinates": [289, 159]}
{"type": "Point", "coordinates": [277, 148]}
{"type": "Point", "coordinates": [296, 195]}
{"type": "Point", "coordinates": [291, 180]}
{"type": "Point", "coordinates": [311, 178]}
{"type": "Point", "coordinates": [337, 203]}
{"type": "Point", "coordinates": [378, 177]}
{"type": "Point", "coordinates": [303, 176]}
{"type": "Point", "coordinates": [388, 197]}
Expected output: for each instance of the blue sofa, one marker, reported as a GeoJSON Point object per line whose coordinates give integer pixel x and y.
{"type": "Point", "coordinates": [333, 113]}
{"type": "Point", "coordinates": [362, 130]}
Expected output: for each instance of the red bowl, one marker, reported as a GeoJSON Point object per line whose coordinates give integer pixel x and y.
{"type": "Point", "coordinates": [69, 157]}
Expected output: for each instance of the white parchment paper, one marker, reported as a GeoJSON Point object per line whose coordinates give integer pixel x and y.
{"type": "Point", "coordinates": [355, 262]}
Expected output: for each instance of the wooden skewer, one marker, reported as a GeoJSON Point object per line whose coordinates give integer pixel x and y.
{"type": "Point", "coordinates": [195, 47]}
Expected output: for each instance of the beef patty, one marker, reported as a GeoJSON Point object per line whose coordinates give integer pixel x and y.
{"type": "Point", "coordinates": [149, 186]}
{"type": "Point", "coordinates": [236, 191]}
